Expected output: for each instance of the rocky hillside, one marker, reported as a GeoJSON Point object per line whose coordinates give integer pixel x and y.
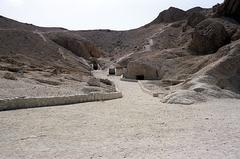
{"type": "Point", "coordinates": [200, 61]}
{"type": "Point", "coordinates": [192, 49]}
{"type": "Point", "coordinates": [47, 61]}
{"type": "Point", "coordinates": [195, 53]}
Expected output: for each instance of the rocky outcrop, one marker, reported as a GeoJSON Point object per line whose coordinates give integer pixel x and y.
{"type": "Point", "coordinates": [195, 18]}
{"type": "Point", "coordinates": [219, 79]}
{"type": "Point", "coordinates": [230, 8]}
{"type": "Point", "coordinates": [208, 37]}
{"type": "Point", "coordinates": [226, 71]}
{"type": "Point", "coordinates": [76, 45]}
{"type": "Point", "coordinates": [9, 76]}
{"type": "Point", "coordinates": [170, 15]}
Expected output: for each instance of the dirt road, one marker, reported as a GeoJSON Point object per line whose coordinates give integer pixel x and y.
{"type": "Point", "coordinates": [136, 126]}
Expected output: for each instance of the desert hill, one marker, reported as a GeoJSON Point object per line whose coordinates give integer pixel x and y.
{"type": "Point", "coordinates": [188, 48]}
{"type": "Point", "coordinates": [48, 61]}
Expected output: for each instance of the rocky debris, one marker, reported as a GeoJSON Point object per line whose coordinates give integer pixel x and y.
{"type": "Point", "coordinates": [9, 76]}
{"type": "Point", "coordinates": [183, 97]}
{"type": "Point", "coordinates": [49, 82]}
{"type": "Point", "coordinates": [195, 18]}
{"type": "Point", "coordinates": [57, 71]}
{"type": "Point", "coordinates": [91, 89]}
{"type": "Point", "coordinates": [208, 37]}
{"type": "Point", "coordinates": [96, 85]}
{"type": "Point", "coordinates": [230, 8]}
{"type": "Point", "coordinates": [106, 81]}
{"type": "Point", "coordinates": [94, 82]}
{"type": "Point", "coordinates": [170, 15]}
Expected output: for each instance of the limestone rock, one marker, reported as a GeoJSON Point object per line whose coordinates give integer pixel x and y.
{"type": "Point", "coordinates": [94, 82]}
{"type": "Point", "coordinates": [208, 37]}
{"type": "Point", "coordinates": [9, 76]}
{"type": "Point", "coordinates": [184, 97]}
{"type": "Point", "coordinates": [227, 70]}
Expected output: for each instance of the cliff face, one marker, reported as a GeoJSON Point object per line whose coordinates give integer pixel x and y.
{"type": "Point", "coordinates": [76, 45]}
{"type": "Point", "coordinates": [230, 8]}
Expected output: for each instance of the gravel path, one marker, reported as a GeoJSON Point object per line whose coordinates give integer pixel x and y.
{"type": "Point", "coordinates": [136, 126]}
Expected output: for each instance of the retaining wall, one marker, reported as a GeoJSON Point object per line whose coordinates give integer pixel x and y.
{"type": "Point", "coordinates": [21, 103]}
{"type": "Point", "coordinates": [127, 79]}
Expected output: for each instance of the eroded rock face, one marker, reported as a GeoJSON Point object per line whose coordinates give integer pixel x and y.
{"type": "Point", "coordinates": [230, 8]}
{"type": "Point", "coordinates": [170, 15]}
{"type": "Point", "coordinates": [208, 37]}
{"type": "Point", "coordinates": [219, 79]}
{"type": "Point", "coordinates": [195, 18]}
{"type": "Point", "coordinates": [79, 47]}
{"type": "Point", "coordinates": [227, 70]}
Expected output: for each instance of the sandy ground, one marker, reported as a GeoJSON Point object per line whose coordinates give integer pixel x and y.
{"type": "Point", "coordinates": [136, 126]}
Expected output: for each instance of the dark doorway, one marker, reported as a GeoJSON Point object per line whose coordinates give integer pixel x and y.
{"type": "Point", "coordinates": [140, 77]}
{"type": "Point", "coordinates": [111, 71]}
{"type": "Point", "coordinates": [95, 66]}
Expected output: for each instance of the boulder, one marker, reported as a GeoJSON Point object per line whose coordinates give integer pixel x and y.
{"type": "Point", "coordinates": [94, 82]}
{"type": "Point", "coordinates": [208, 36]}
{"type": "Point", "coordinates": [9, 76]}
{"type": "Point", "coordinates": [107, 82]}
{"type": "Point", "coordinates": [184, 97]}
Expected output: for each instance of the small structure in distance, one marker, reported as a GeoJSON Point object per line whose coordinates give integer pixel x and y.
{"type": "Point", "coordinates": [116, 70]}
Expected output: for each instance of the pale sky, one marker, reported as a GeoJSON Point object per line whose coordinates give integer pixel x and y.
{"type": "Point", "coordinates": [93, 14]}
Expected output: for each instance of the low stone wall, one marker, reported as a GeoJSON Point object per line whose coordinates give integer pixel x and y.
{"type": "Point", "coordinates": [127, 79]}
{"type": "Point", "coordinates": [21, 103]}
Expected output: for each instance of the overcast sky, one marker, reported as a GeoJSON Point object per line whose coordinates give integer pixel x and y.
{"type": "Point", "coordinates": [93, 14]}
